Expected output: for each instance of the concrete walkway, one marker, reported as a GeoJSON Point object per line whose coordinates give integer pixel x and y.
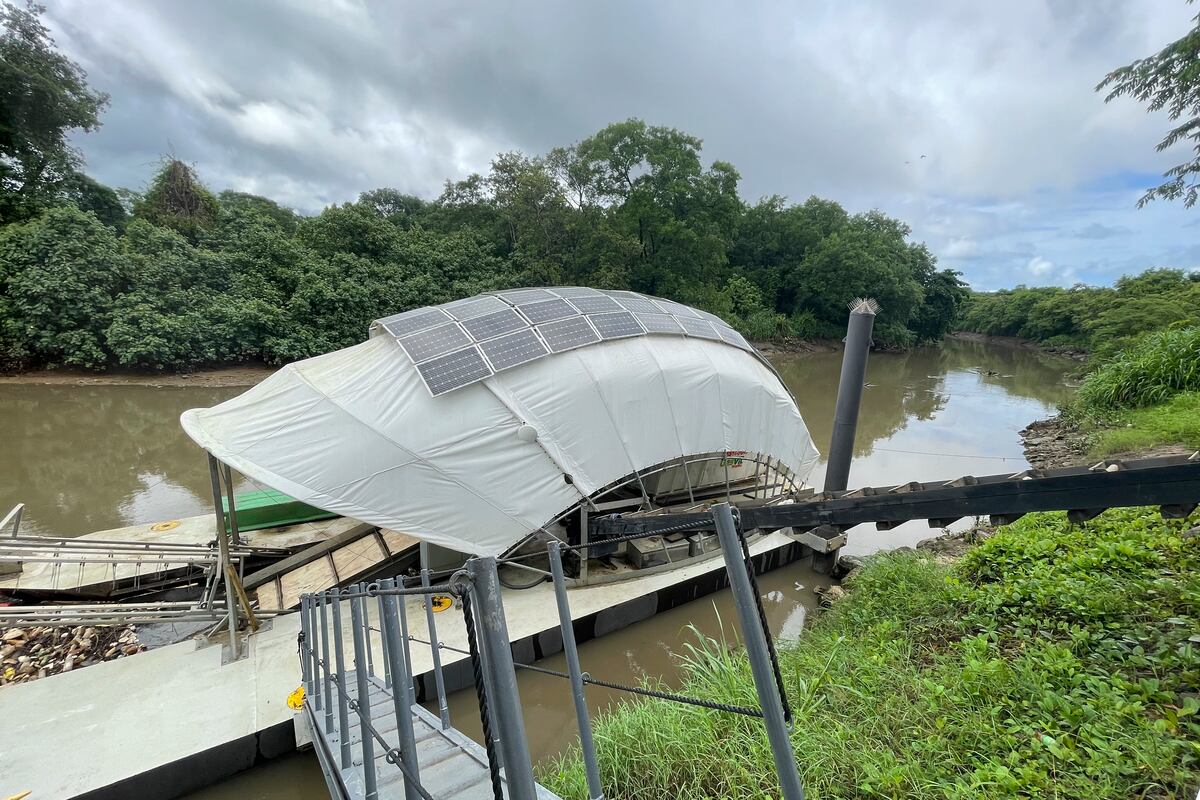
{"type": "Point", "coordinates": [166, 721]}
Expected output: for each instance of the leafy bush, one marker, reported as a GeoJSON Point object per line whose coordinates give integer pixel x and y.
{"type": "Point", "coordinates": [1052, 661]}
{"type": "Point", "coordinates": [1159, 366]}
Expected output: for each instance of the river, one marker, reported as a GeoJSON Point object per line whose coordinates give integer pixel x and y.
{"type": "Point", "coordinates": [85, 458]}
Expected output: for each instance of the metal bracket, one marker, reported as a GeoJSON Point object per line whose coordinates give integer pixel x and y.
{"type": "Point", "coordinates": [823, 539]}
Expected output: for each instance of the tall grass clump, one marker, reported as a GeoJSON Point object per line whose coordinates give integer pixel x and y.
{"type": "Point", "coordinates": [1052, 661]}
{"type": "Point", "coordinates": [1158, 367]}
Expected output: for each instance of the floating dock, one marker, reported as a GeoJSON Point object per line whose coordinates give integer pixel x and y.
{"type": "Point", "coordinates": [168, 721]}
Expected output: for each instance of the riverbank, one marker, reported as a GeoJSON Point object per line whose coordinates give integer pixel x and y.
{"type": "Point", "coordinates": [246, 375]}
{"type": "Point", "coordinates": [1019, 343]}
{"type": "Point", "coordinates": [1167, 430]}
{"type": "Point", "coordinates": [988, 673]}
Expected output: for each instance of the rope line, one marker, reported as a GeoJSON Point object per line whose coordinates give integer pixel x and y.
{"type": "Point", "coordinates": [762, 620]}
{"type": "Point", "coordinates": [588, 679]}
{"type": "Point", "coordinates": [481, 694]}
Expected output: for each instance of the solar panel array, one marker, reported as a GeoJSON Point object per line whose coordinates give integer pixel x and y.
{"type": "Point", "coordinates": [463, 342]}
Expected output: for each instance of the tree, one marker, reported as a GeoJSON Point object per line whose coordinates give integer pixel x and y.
{"type": "Point", "coordinates": [1168, 80]}
{"type": "Point", "coordinates": [176, 199]}
{"type": "Point", "coordinates": [59, 277]}
{"type": "Point", "coordinates": [87, 194]}
{"type": "Point", "coordinates": [43, 96]}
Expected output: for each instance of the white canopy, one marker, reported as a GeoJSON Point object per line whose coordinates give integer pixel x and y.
{"type": "Point", "coordinates": [477, 469]}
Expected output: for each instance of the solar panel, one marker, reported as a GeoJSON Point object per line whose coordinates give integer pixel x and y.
{"type": "Point", "coordinates": [595, 305]}
{"type": "Point", "coordinates": [434, 342]}
{"type": "Point", "coordinates": [547, 310]}
{"type": "Point", "coordinates": [453, 371]}
{"type": "Point", "coordinates": [698, 327]}
{"type": "Point", "coordinates": [476, 307]}
{"type": "Point", "coordinates": [575, 291]}
{"type": "Point", "coordinates": [458, 343]}
{"type": "Point", "coordinates": [518, 296]}
{"type": "Point", "coordinates": [516, 348]}
{"type": "Point", "coordinates": [732, 337]}
{"type": "Point", "coordinates": [412, 321]}
{"type": "Point", "coordinates": [567, 334]}
{"type": "Point", "coordinates": [678, 309]}
{"type": "Point", "coordinates": [639, 304]}
{"type": "Point", "coordinates": [659, 323]}
{"type": "Point", "coordinates": [615, 326]}
{"type": "Point", "coordinates": [495, 324]}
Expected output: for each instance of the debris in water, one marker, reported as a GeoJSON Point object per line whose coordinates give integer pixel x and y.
{"type": "Point", "coordinates": [35, 652]}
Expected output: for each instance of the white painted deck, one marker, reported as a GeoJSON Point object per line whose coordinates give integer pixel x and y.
{"type": "Point", "coordinates": [122, 718]}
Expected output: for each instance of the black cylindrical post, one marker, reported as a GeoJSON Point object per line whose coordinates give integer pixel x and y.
{"type": "Point", "coordinates": [850, 388]}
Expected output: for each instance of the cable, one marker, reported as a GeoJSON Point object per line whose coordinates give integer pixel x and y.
{"type": "Point", "coordinates": [947, 455]}
{"type": "Point", "coordinates": [762, 620]}
{"type": "Point", "coordinates": [481, 696]}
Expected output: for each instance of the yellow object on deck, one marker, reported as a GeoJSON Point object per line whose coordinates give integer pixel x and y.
{"type": "Point", "coordinates": [295, 700]}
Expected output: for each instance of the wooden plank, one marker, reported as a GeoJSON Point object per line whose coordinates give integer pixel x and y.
{"type": "Point", "coordinates": [268, 595]}
{"type": "Point", "coordinates": [313, 577]}
{"type": "Point", "coordinates": [316, 551]}
{"type": "Point", "coordinates": [396, 541]}
{"type": "Point", "coordinates": [357, 557]}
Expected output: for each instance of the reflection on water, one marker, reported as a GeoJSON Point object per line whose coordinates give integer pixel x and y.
{"type": "Point", "coordinates": [88, 458]}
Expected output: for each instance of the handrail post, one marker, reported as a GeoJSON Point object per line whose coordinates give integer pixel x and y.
{"type": "Point", "coordinates": [401, 670]}
{"type": "Point", "coordinates": [306, 633]}
{"type": "Point", "coordinates": [586, 743]}
{"type": "Point", "coordinates": [494, 641]}
{"type": "Point", "coordinates": [389, 677]}
{"type": "Point", "coordinates": [410, 691]}
{"type": "Point", "coordinates": [223, 555]}
{"type": "Point", "coordinates": [756, 650]}
{"type": "Point", "coordinates": [363, 687]}
{"type": "Point", "coordinates": [328, 686]}
{"type": "Point", "coordinates": [235, 533]}
{"type": "Point", "coordinates": [436, 652]}
{"type": "Point", "coordinates": [343, 700]}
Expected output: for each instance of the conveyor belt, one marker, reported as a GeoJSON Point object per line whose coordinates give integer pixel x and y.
{"type": "Point", "coordinates": [1172, 483]}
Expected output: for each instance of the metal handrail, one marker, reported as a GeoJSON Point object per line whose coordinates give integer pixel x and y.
{"type": "Point", "coordinates": [13, 518]}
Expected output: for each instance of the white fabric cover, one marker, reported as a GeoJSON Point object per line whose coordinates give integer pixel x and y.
{"type": "Point", "coordinates": [357, 433]}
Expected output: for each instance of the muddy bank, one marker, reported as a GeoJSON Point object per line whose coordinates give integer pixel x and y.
{"type": "Point", "coordinates": [247, 375]}
{"type": "Point", "coordinates": [797, 346]}
{"type": "Point", "coordinates": [1054, 442]}
{"type": "Point", "coordinates": [1023, 344]}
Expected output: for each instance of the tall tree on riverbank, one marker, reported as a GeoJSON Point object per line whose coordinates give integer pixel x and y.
{"type": "Point", "coordinates": [43, 97]}
{"type": "Point", "coordinates": [1168, 80]}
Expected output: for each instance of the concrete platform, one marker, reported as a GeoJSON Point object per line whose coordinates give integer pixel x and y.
{"type": "Point", "coordinates": [168, 721]}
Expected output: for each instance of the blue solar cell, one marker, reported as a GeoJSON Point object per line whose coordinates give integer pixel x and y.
{"type": "Point", "coordinates": [595, 305]}
{"type": "Point", "coordinates": [434, 342]}
{"type": "Point", "coordinates": [547, 310]}
{"type": "Point", "coordinates": [575, 291]}
{"type": "Point", "coordinates": [454, 371]}
{"type": "Point", "coordinates": [640, 305]}
{"type": "Point", "coordinates": [475, 307]}
{"type": "Point", "coordinates": [495, 324]}
{"type": "Point", "coordinates": [616, 326]}
{"type": "Point", "coordinates": [412, 321]}
{"type": "Point", "coordinates": [567, 334]}
{"type": "Point", "coordinates": [519, 296]}
{"type": "Point", "coordinates": [513, 349]}
{"type": "Point", "coordinates": [698, 327]}
{"type": "Point", "coordinates": [659, 323]}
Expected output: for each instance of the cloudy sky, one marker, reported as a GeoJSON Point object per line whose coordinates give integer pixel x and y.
{"type": "Point", "coordinates": [974, 122]}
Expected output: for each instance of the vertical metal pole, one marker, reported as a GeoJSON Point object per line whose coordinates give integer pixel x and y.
{"type": "Point", "coordinates": [343, 689]}
{"type": "Point", "coordinates": [305, 663]}
{"type": "Point", "coordinates": [850, 388]}
{"type": "Point", "coordinates": [436, 653]}
{"type": "Point", "coordinates": [756, 650]}
{"type": "Point", "coordinates": [363, 695]}
{"type": "Point", "coordinates": [234, 532]}
{"type": "Point", "coordinates": [328, 684]}
{"type": "Point", "coordinates": [366, 626]}
{"type": "Point", "coordinates": [586, 744]}
{"type": "Point", "coordinates": [583, 539]}
{"type": "Point", "coordinates": [410, 691]}
{"type": "Point", "coordinates": [506, 700]}
{"type": "Point", "coordinates": [401, 671]}
{"type": "Point", "coordinates": [845, 415]}
{"type": "Point", "coordinates": [380, 609]}
{"type": "Point", "coordinates": [223, 554]}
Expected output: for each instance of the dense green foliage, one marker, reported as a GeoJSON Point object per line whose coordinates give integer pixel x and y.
{"type": "Point", "coordinates": [1051, 661]}
{"type": "Point", "coordinates": [183, 278]}
{"type": "Point", "coordinates": [1157, 367]}
{"type": "Point", "coordinates": [43, 96]}
{"type": "Point", "coordinates": [1099, 319]}
{"type": "Point", "coordinates": [1168, 80]}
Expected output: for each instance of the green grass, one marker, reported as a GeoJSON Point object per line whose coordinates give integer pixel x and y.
{"type": "Point", "coordinates": [1052, 661]}
{"type": "Point", "coordinates": [1159, 366]}
{"type": "Point", "coordinates": [1176, 421]}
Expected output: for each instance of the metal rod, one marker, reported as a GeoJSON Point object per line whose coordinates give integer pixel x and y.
{"type": "Point", "coordinates": [366, 623]}
{"type": "Point", "coordinates": [493, 632]}
{"type": "Point", "coordinates": [586, 743]}
{"type": "Point", "coordinates": [13, 518]}
{"type": "Point", "coordinates": [401, 671]}
{"type": "Point", "coordinates": [328, 686]}
{"type": "Point", "coordinates": [363, 700]}
{"type": "Point", "coordinates": [438, 679]}
{"type": "Point", "coordinates": [380, 609]}
{"type": "Point", "coordinates": [235, 534]}
{"type": "Point", "coordinates": [223, 549]}
{"type": "Point", "coordinates": [756, 650]}
{"type": "Point", "coordinates": [340, 660]}
{"type": "Point", "coordinates": [306, 644]}
{"type": "Point", "coordinates": [849, 398]}
{"type": "Point", "coordinates": [410, 691]}
{"type": "Point", "coordinates": [313, 667]}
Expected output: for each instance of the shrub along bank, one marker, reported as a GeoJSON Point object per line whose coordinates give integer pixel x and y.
{"type": "Point", "coordinates": [1050, 661]}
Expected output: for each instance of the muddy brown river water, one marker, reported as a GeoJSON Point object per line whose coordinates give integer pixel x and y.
{"type": "Point", "coordinates": [85, 458]}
